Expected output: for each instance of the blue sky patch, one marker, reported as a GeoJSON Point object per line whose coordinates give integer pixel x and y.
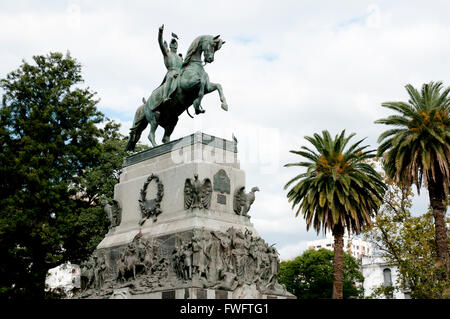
{"type": "Point", "coordinates": [114, 114]}
{"type": "Point", "coordinates": [269, 57]}
{"type": "Point", "coordinates": [244, 39]}
{"type": "Point", "coordinates": [359, 20]}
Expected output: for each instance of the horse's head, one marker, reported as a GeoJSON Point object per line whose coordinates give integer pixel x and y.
{"type": "Point", "coordinates": [206, 44]}
{"type": "Point", "coordinates": [209, 46]}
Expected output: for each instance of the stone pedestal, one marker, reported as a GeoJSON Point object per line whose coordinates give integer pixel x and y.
{"type": "Point", "coordinates": [182, 230]}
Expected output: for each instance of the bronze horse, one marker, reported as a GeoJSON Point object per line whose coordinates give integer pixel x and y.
{"type": "Point", "coordinates": [192, 84]}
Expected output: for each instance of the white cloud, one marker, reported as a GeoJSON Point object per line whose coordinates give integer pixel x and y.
{"type": "Point", "coordinates": [291, 251]}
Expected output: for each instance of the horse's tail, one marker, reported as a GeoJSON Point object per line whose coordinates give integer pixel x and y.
{"type": "Point", "coordinates": [187, 111]}
{"type": "Point", "coordinates": [139, 124]}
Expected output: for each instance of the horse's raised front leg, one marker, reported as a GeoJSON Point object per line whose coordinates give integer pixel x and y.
{"type": "Point", "coordinates": [211, 87]}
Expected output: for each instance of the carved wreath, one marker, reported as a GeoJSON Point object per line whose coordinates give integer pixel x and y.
{"type": "Point", "coordinates": [151, 208]}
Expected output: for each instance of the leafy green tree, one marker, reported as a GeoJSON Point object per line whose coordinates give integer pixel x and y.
{"type": "Point", "coordinates": [98, 183]}
{"type": "Point", "coordinates": [417, 150]}
{"type": "Point", "coordinates": [55, 164]}
{"type": "Point", "coordinates": [310, 275]}
{"type": "Point", "coordinates": [407, 242]}
{"type": "Point", "coordinates": [338, 191]}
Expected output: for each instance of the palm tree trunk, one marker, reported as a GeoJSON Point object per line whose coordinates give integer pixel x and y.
{"type": "Point", "coordinates": [437, 202]}
{"type": "Point", "coordinates": [338, 262]}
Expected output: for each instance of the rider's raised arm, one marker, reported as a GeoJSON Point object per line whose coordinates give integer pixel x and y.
{"type": "Point", "coordinates": [160, 41]}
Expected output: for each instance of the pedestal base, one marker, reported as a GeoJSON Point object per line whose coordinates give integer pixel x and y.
{"type": "Point", "coordinates": [183, 232]}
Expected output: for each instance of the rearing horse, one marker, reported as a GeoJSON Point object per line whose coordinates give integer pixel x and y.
{"type": "Point", "coordinates": [191, 85]}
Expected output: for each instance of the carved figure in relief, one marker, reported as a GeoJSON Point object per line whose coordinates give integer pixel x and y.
{"type": "Point", "coordinates": [120, 269]}
{"type": "Point", "coordinates": [274, 261]}
{"type": "Point", "coordinates": [178, 257]}
{"type": "Point", "coordinates": [148, 258]}
{"type": "Point", "coordinates": [249, 269]}
{"type": "Point", "coordinates": [200, 257]}
{"type": "Point", "coordinates": [238, 253]}
{"type": "Point", "coordinates": [87, 273]}
{"type": "Point", "coordinates": [187, 262]}
{"type": "Point", "coordinates": [131, 259]}
{"type": "Point", "coordinates": [101, 269]}
{"type": "Point", "coordinates": [215, 266]}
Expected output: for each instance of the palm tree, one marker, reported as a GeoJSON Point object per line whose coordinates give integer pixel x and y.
{"type": "Point", "coordinates": [418, 150]}
{"type": "Point", "coordinates": [338, 191]}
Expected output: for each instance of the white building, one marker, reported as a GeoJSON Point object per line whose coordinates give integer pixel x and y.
{"type": "Point", "coordinates": [377, 272]}
{"type": "Point", "coordinates": [357, 247]}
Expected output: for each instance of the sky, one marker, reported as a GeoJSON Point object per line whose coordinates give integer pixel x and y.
{"type": "Point", "coordinates": [288, 69]}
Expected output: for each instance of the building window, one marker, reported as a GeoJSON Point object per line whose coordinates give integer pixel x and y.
{"type": "Point", "coordinates": [387, 277]}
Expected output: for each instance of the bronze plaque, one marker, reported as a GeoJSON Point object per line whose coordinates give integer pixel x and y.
{"type": "Point", "coordinates": [222, 182]}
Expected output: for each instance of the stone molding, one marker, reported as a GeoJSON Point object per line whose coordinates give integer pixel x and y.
{"type": "Point", "coordinates": [180, 143]}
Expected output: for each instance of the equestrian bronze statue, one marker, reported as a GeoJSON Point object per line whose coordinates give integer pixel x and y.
{"type": "Point", "coordinates": [185, 84]}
